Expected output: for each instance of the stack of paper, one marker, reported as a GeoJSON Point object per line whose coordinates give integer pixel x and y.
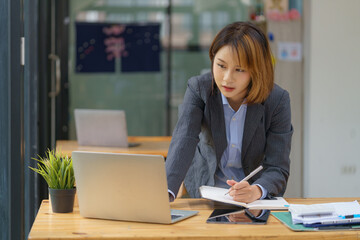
{"type": "Point", "coordinates": [325, 214]}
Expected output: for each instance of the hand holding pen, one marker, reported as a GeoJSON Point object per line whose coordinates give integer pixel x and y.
{"type": "Point", "coordinates": [242, 191]}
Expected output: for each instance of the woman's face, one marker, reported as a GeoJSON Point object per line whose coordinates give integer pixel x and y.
{"type": "Point", "coordinates": [231, 79]}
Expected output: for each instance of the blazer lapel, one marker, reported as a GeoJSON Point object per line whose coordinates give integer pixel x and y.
{"type": "Point", "coordinates": [254, 114]}
{"type": "Point", "coordinates": [217, 124]}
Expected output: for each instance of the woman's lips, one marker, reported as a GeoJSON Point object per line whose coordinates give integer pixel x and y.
{"type": "Point", "coordinates": [228, 89]}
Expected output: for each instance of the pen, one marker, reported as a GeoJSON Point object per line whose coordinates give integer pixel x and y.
{"type": "Point", "coordinates": [249, 176]}
{"type": "Point", "coordinates": [350, 216]}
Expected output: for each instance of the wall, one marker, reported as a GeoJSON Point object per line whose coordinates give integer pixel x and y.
{"type": "Point", "coordinates": [331, 100]}
{"type": "Point", "coordinates": [289, 75]}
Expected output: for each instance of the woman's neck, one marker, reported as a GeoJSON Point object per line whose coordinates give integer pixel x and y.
{"type": "Point", "coordinates": [235, 105]}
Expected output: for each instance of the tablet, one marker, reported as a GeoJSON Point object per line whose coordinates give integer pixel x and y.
{"type": "Point", "coordinates": [239, 216]}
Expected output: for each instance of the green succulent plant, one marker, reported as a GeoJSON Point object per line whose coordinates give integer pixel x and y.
{"type": "Point", "coordinates": [56, 169]}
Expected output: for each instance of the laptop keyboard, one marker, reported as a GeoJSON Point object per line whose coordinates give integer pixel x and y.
{"type": "Point", "coordinates": [175, 216]}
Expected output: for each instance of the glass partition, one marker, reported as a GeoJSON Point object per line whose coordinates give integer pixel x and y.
{"type": "Point", "coordinates": [150, 96]}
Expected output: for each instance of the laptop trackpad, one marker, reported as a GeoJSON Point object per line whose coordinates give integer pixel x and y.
{"type": "Point", "coordinates": [178, 215]}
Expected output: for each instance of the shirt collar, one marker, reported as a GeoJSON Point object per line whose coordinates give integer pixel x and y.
{"type": "Point", "coordinates": [225, 101]}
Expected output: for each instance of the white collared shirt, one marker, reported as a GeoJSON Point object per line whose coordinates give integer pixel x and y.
{"type": "Point", "coordinates": [230, 166]}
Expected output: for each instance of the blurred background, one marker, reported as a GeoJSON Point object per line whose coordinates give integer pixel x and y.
{"type": "Point", "coordinates": [137, 55]}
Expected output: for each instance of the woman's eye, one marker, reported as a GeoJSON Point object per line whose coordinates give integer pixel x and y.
{"type": "Point", "coordinates": [240, 70]}
{"type": "Point", "coordinates": [220, 65]}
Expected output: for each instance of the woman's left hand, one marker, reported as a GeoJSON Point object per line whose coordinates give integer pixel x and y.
{"type": "Point", "coordinates": [243, 191]}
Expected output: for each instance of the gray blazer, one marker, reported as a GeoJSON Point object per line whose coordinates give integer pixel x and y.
{"type": "Point", "coordinates": [199, 139]}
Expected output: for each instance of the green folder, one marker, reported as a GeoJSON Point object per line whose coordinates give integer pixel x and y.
{"type": "Point", "coordinates": [285, 218]}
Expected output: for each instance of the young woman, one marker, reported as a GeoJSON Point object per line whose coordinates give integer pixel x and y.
{"type": "Point", "coordinates": [233, 120]}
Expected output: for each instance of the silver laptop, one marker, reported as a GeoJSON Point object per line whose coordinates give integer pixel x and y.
{"type": "Point", "coordinates": [96, 127]}
{"type": "Point", "coordinates": [129, 187]}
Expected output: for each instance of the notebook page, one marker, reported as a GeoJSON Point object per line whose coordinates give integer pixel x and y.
{"type": "Point", "coordinates": [347, 208]}
{"type": "Point", "coordinates": [218, 194]}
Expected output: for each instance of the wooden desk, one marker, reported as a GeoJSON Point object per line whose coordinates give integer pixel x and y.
{"type": "Point", "coordinates": [48, 225]}
{"type": "Point", "coordinates": [148, 145]}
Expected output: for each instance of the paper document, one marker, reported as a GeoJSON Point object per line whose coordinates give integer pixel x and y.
{"type": "Point", "coordinates": [218, 194]}
{"type": "Point", "coordinates": [323, 212]}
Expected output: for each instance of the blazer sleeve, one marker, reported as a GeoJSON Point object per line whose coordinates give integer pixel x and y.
{"type": "Point", "coordinates": [277, 148]}
{"type": "Point", "coordinates": [185, 136]}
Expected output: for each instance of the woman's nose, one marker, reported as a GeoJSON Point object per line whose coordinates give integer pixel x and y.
{"type": "Point", "coordinates": [227, 77]}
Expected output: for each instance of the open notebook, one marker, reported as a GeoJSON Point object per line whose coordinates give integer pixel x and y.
{"type": "Point", "coordinates": [218, 194]}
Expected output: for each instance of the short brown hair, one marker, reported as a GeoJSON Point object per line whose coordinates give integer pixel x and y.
{"type": "Point", "coordinates": [253, 50]}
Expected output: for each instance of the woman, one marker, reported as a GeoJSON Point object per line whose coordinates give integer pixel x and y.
{"type": "Point", "coordinates": [233, 120]}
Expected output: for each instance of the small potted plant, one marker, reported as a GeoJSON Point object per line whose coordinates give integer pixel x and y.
{"type": "Point", "coordinates": [58, 172]}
